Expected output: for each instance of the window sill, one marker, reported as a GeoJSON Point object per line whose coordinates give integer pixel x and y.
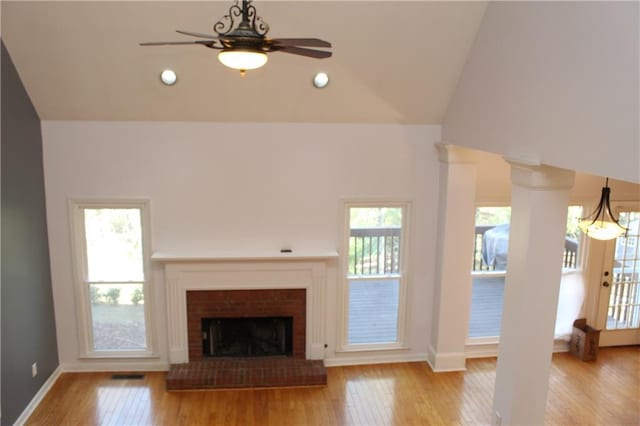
{"type": "Point", "coordinates": [494, 274]}
{"type": "Point", "coordinates": [372, 348]}
{"type": "Point", "coordinates": [478, 341]}
{"type": "Point", "coordinates": [120, 355]}
{"type": "Point", "coordinates": [488, 274]}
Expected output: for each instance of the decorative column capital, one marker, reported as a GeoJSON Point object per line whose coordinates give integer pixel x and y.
{"type": "Point", "coordinates": [453, 154]}
{"type": "Point", "coordinates": [535, 175]}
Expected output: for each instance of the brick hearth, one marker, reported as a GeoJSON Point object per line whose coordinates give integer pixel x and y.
{"type": "Point", "coordinates": [222, 373]}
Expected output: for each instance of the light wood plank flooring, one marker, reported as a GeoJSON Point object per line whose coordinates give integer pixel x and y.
{"type": "Point", "coordinates": [604, 392]}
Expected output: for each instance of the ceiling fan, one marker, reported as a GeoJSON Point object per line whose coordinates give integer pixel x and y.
{"type": "Point", "coordinates": [241, 39]}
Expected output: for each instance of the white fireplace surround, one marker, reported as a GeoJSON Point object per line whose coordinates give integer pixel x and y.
{"type": "Point", "coordinates": [183, 274]}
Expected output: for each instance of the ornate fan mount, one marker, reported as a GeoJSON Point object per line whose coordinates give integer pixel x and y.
{"type": "Point", "coordinates": [241, 39]}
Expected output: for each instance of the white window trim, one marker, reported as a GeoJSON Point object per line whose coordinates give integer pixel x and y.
{"type": "Point", "coordinates": [343, 294]}
{"type": "Point", "coordinates": [79, 260]}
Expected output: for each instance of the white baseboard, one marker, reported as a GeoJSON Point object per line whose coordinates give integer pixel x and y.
{"type": "Point", "coordinates": [108, 366]}
{"type": "Point", "coordinates": [373, 359]}
{"type": "Point", "coordinates": [443, 362]}
{"type": "Point", "coordinates": [560, 346]}
{"type": "Point", "coordinates": [482, 350]}
{"type": "Point", "coordinates": [490, 350]}
{"type": "Point", "coordinates": [38, 397]}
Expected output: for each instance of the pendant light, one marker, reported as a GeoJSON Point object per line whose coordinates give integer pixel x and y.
{"type": "Point", "coordinates": [602, 224]}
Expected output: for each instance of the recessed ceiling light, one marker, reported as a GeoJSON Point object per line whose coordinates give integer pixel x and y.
{"type": "Point", "coordinates": [320, 80]}
{"type": "Point", "coordinates": [168, 77]}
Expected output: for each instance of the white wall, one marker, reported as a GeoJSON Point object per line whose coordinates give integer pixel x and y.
{"type": "Point", "coordinates": [555, 82]}
{"type": "Point", "coordinates": [241, 188]}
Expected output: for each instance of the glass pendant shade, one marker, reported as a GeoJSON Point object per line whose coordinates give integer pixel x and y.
{"type": "Point", "coordinates": [601, 224]}
{"type": "Point", "coordinates": [601, 230]}
{"type": "Point", "coordinates": [242, 59]}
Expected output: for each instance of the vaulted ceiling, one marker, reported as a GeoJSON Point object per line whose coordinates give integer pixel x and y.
{"type": "Point", "coordinates": [393, 62]}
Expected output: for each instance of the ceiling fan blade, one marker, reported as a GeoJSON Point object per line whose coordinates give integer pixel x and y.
{"type": "Point", "coordinates": [207, 43]}
{"type": "Point", "coordinates": [309, 42]}
{"type": "Point", "coordinates": [318, 54]}
{"type": "Point", "coordinates": [165, 43]}
{"type": "Point", "coordinates": [199, 35]}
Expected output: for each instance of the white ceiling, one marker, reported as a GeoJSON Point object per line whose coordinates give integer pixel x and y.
{"type": "Point", "coordinates": [393, 62]}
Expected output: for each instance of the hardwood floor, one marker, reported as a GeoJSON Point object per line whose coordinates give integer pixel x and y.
{"type": "Point", "coordinates": [604, 392]}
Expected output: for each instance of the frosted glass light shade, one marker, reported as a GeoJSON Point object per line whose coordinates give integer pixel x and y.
{"type": "Point", "coordinates": [601, 229]}
{"type": "Point", "coordinates": [242, 59]}
{"type": "Point", "coordinates": [601, 224]}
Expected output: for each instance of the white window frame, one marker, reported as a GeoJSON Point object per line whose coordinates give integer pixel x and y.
{"type": "Point", "coordinates": [81, 281]}
{"type": "Point", "coordinates": [403, 279]}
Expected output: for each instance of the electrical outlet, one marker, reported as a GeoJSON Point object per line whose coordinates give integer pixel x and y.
{"type": "Point", "coordinates": [34, 369]}
{"type": "Point", "coordinates": [498, 419]}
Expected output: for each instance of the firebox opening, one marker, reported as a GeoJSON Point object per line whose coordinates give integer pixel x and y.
{"type": "Point", "coordinates": [247, 337]}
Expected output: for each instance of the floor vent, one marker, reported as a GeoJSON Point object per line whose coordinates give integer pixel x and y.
{"type": "Point", "coordinates": [127, 376]}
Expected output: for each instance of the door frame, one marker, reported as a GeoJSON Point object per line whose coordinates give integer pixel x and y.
{"type": "Point", "coordinates": [612, 337]}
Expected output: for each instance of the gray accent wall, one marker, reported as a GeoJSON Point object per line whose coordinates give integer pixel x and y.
{"type": "Point", "coordinates": [28, 323]}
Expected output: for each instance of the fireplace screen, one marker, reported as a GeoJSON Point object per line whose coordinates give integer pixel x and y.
{"type": "Point", "coordinates": [247, 337]}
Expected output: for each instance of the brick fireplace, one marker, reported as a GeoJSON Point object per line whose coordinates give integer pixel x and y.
{"type": "Point", "coordinates": [204, 304]}
{"type": "Point", "coordinates": [220, 277]}
{"type": "Point", "coordinates": [278, 286]}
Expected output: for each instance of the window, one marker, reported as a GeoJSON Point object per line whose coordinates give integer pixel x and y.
{"type": "Point", "coordinates": [489, 270]}
{"type": "Point", "coordinates": [490, 265]}
{"type": "Point", "coordinates": [572, 239]}
{"type": "Point", "coordinates": [375, 282]}
{"type": "Point", "coordinates": [492, 238]}
{"type": "Point", "coordinates": [111, 277]}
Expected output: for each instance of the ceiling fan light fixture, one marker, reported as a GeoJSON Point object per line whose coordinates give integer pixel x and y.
{"type": "Point", "coordinates": [242, 59]}
{"type": "Point", "coordinates": [241, 38]}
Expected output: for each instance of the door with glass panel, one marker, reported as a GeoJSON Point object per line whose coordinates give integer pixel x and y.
{"type": "Point", "coordinates": [619, 302]}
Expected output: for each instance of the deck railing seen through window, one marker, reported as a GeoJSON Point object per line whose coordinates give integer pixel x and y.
{"type": "Point", "coordinates": [570, 255]}
{"type": "Point", "coordinates": [374, 251]}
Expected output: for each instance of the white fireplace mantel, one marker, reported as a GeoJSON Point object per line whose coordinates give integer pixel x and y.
{"type": "Point", "coordinates": [229, 256]}
{"type": "Point", "coordinates": [285, 271]}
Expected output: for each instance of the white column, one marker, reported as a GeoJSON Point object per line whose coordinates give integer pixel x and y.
{"type": "Point", "coordinates": [539, 201]}
{"type": "Point", "coordinates": [452, 291]}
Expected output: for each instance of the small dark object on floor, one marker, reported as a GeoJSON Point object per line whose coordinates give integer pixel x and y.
{"type": "Point", "coordinates": [127, 376]}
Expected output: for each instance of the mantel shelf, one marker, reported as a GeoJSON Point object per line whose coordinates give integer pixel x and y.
{"type": "Point", "coordinates": [220, 257]}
